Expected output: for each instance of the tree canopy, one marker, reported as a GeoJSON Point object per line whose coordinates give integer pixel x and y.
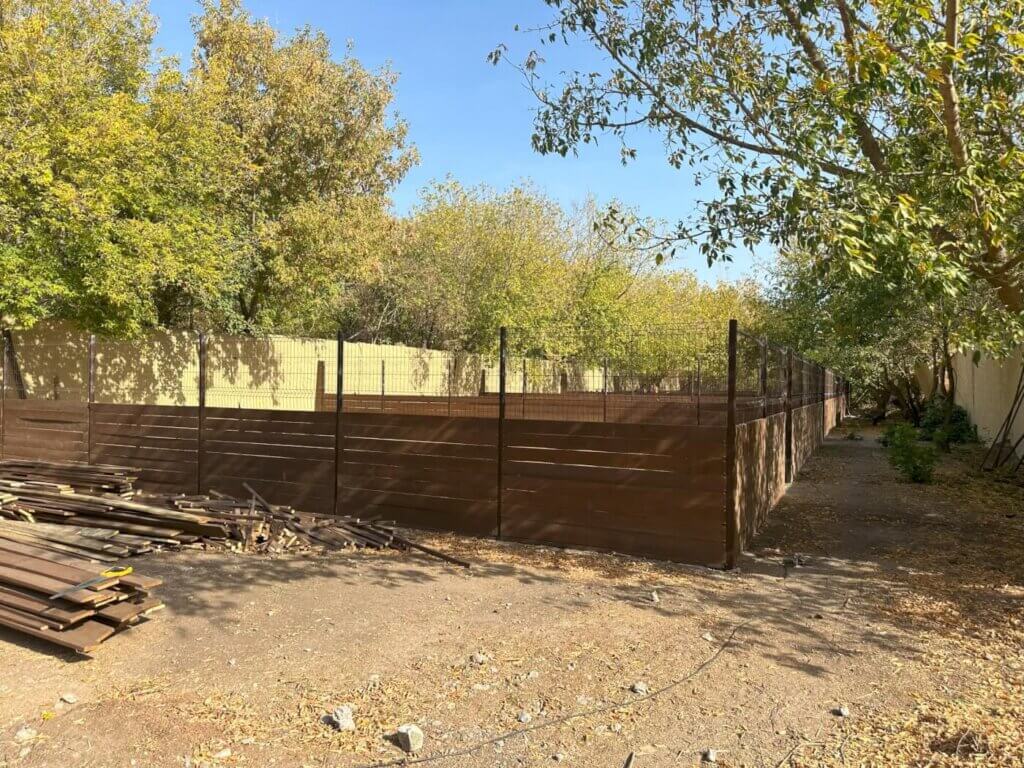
{"type": "Point", "coordinates": [858, 132]}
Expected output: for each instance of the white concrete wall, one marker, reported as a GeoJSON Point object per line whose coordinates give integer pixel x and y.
{"type": "Point", "coordinates": [986, 390]}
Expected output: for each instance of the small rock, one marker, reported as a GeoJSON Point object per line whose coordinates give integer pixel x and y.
{"type": "Point", "coordinates": [533, 674]}
{"type": "Point", "coordinates": [654, 597]}
{"type": "Point", "coordinates": [342, 719]}
{"type": "Point", "coordinates": [410, 738]}
{"type": "Point", "coordinates": [478, 658]}
{"type": "Point", "coordinates": [615, 728]}
{"type": "Point", "coordinates": [525, 717]}
{"type": "Point", "coordinates": [639, 688]}
{"type": "Point", "coordinates": [232, 662]}
{"type": "Point", "coordinates": [559, 757]}
{"type": "Point", "coordinates": [224, 754]}
{"type": "Point", "coordinates": [708, 637]}
{"type": "Point", "coordinates": [69, 698]}
{"type": "Point", "coordinates": [841, 712]}
{"type": "Point", "coordinates": [25, 734]}
{"type": "Point", "coordinates": [709, 756]}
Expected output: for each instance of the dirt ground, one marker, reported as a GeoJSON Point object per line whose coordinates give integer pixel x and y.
{"type": "Point", "coordinates": [909, 612]}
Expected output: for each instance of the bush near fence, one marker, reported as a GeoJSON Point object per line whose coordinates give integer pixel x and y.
{"type": "Point", "coordinates": [681, 463]}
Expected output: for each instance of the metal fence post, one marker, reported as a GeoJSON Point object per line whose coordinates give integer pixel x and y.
{"type": "Point", "coordinates": [201, 452]}
{"type": "Point", "coordinates": [524, 386]}
{"type": "Point", "coordinates": [382, 385]}
{"type": "Point", "coordinates": [604, 389]}
{"type": "Point", "coordinates": [732, 511]}
{"type": "Point", "coordinates": [698, 390]}
{"type": "Point", "coordinates": [502, 355]}
{"type": "Point", "coordinates": [451, 380]}
{"type": "Point", "coordinates": [91, 396]}
{"type": "Point", "coordinates": [789, 416]}
{"type": "Point", "coordinates": [3, 388]}
{"type": "Point", "coordinates": [764, 378]}
{"type": "Point", "coordinates": [339, 438]}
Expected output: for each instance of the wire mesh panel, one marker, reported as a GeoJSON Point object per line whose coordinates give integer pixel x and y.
{"type": "Point", "coordinates": [384, 378]}
{"type": "Point", "coordinates": [671, 375]}
{"type": "Point", "coordinates": [270, 372]}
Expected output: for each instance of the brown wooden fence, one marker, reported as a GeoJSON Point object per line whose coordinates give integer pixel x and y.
{"type": "Point", "coordinates": [680, 475]}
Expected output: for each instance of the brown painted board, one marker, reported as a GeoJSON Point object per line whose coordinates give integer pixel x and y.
{"type": "Point", "coordinates": [84, 638]}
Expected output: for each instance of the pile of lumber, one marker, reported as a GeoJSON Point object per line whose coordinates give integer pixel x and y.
{"type": "Point", "coordinates": [254, 525]}
{"type": "Point", "coordinates": [53, 587]}
{"type": "Point", "coordinates": [99, 478]}
{"type": "Point", "coordinates": [216, 520]}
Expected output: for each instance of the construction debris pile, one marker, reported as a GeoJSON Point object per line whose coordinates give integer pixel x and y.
{"type": "Point", "coordinates": [65, 527]}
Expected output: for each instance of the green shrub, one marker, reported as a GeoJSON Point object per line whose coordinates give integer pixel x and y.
{"type": "Point", "coordinates": [933, 421]}
{"type": "Point", "coordinates": [907, 455]}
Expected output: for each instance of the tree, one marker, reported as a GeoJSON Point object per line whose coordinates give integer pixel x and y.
{"type": "Point", "coordinates": [320, 158]}
{"type": "Point", "coordinates": [112, 176]}
{"type": "Point", "coordinates": [852, 130]}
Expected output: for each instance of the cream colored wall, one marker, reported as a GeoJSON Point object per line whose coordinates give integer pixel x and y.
{"type": "Point", "coordinates": [987, 389]}
{"type": "Point", "coordinates": [275, 372]}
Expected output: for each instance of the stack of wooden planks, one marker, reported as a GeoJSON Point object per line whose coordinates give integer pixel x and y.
{"type": "Point", "coordinates": [100, 478]}
{"type": "Point", "coordinates": [54, 586]}
{"type": "Point", "coordinates": [39, 492]}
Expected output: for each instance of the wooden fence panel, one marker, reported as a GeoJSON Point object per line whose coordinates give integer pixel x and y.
{"type": "Point", "coordinates": [287, 456]}
{"type": "Point", "coordinates": [760, 471]}
{"type": "Point", "coordinates": [49, 430]}
{"type": "Point", "coordinates": [650, 490]}
{"type": "Point", "coordinates": [161, 440]}
{"type": "Point", "coordinates": [430, 472]}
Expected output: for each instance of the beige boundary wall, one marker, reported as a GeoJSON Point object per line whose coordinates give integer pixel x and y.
{"type": "Point", "coordinates": [986, 391]}
{"type": "Point", "coordinates": [272, 372]}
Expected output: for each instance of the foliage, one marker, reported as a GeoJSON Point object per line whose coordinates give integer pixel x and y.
{"type": "Point", "coordinates": [471, 259]}
{"type": "Point", "coordinates": [860, 132]}
{"type": "Point", "coordinates": [913, 460]}
{"type": "Point", "coordinates": [240, 195]}
{"type": "Point", "coordinates": [935, 428]}
{"type": "Point", "coordinates": [113, 175]}
{"type": "Point", "coordinates": [320, 157]}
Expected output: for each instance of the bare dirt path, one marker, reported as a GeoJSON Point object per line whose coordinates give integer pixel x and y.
{"type": "Point", "coordinates": [891, 617]}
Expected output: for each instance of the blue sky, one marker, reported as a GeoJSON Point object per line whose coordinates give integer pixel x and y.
{"type": "Point", "coordinates": [468, 118]}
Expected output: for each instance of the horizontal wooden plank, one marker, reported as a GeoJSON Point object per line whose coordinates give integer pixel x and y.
{"type": "Point", "coordinates": [268, 451]}
{"type": "Point", "coordinates": [169, 432]}
{"type": "Point", "coordinates": [481, 482]}
{"type": "Point", "coordinates": [122, 410]}
{"type": "Point", "coordinates": [270, 468]}
{"type": "Point", "coordinates": [16, 405]}
{"type": "Point", "coordinates": [273, 437]}
{"type": "Point", "coordinates": [486, 490]}
{"type": "Point", "coordinates": [419, 427]}
{"type": "Point", "coordinates": [357, 497]}
{"type": "Point", "coordinates": [517, 430]}
{"type": "Point", "coordinates": [549, 494]}
{"type": "Point", "coordinates": [680, 548]}
{"type": "Point", "coordinates": [267, 416]}
{"type": "Point", "coordinates": [414, 447]}
{"type": "Point", "coordinates": [483, 463]}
